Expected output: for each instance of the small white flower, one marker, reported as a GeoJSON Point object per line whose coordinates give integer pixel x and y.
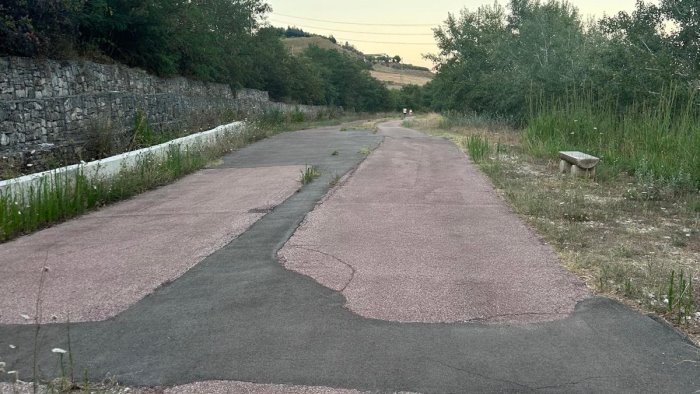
{"type": "Point", "coordinates": [59, 350]}
{"type": "Point", "coordinates": [12, 372]}
{"type": "Point", "coordinates": [13, 347]}
{"type": "Point", "coordinates": [25, 317]}
{"type": "Point", "coordinates": [595, 128]}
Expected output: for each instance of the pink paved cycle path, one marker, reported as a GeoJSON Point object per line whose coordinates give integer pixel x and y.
{"type": "Point", "coordinates": [103, 262]}
{"type": "Point", "coordinates": [418, 234]}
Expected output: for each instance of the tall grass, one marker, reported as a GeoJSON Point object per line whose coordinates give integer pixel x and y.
{"type": "Point", "coordinates": [477, 147]}
{"type": "Point", "coordinates": [660, 142]}
{"type": "Point", "coordinates": [452, 120]}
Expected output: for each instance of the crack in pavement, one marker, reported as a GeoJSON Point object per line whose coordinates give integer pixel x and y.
{"type": "Point", "coordinates": [483, 376]}
{"type": "Point", "coordinates": [574, 383]}
{"type": "Point", "coordinates": [489, 317]}
{"type": "Point", "coordinates": [352, 269]}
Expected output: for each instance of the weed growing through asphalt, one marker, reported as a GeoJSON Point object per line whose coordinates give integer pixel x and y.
{"type": "Point", "coordinates": [335, 153]}
{"type": "Point", "coordinates": [335, 180]}
{"type": "Point", "coordinates": [365, 151]}
{"type": "Point", "coordinates": [308, 174]}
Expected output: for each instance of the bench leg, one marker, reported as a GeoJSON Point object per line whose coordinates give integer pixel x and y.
{"type": "Point", "coordinates": [582, 172]}
{"type": "Point", "coordinates": [564, 166]}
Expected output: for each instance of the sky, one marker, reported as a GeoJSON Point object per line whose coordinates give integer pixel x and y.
{"type": "Point", "coordinates": [396, 27]}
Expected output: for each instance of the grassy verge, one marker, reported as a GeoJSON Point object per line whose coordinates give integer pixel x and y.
{"type": "Point", "coordinates": [64, 197]}
{"type": "Point", "coordinates": [659, 144]}
{"type": "Point", "coordinates": [622, 243]}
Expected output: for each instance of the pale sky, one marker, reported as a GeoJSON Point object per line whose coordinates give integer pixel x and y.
{"type": "Point", "coordinates": [366, 23]}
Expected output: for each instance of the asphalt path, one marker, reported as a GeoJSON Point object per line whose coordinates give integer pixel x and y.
{"type": "Point", "coordinates": [239, 315]}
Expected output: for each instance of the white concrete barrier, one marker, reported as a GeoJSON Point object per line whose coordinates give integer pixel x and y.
{"type": "Point", "coordinates": [111, 166]}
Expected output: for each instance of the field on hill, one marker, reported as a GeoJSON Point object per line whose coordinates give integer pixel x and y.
{"type": "Point", "coordinates": [395, 79]}
{"type": "Point", "coordinates": [297, 45]}
{"type": "Point", "coordinates": [392, 77]}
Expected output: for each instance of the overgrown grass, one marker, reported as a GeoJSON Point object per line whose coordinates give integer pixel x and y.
{"type": "Point", "coordinates": [658, 145]}
{"type": "Point", "coordinates": [618, 232]}
{"type": "Point", "coordinates": [477, 147]}
{"type": "Point", "coordinates": [453, 120]}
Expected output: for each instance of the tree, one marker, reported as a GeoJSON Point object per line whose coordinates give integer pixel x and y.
{"type": "Point", "coordinates": [38, 28]}
{"type": "Point", "coordinates": [346, 81]}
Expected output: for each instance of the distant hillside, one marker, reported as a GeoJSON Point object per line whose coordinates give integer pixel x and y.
{"type": "Point", "coordinates": [394, 75]}
{"type": "Point", "coordinates": [297, 45]}
{"type": "Point", "coordinates": [395, 78]}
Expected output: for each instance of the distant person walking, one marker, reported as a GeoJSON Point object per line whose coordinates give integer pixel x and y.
{"type": "Point", "coordinates": [405, 111]}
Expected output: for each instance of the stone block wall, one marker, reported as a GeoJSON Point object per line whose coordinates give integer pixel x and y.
{"type": "Point", "coordinates": [51, 106]}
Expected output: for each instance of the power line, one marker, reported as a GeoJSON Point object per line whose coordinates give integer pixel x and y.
{"type": "Point", "coordinates": [383, 42]}
{"type": "Point", "coordinates": [357, 32]}
{"type": "Point", "coordinates": [353, 23]}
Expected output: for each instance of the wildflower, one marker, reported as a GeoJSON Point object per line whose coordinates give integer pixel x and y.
{"type": "Point", "coordinates": [595, 128]}
{"type": "Point", "coordinates": [24, 316]}
{"type": "Point", "coordinates": [58, 350]}
{"type": "Point", "coordinates": [13, 347]}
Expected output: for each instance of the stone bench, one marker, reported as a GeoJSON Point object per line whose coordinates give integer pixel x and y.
{"type": "Point", "coordinates": [578, 163]}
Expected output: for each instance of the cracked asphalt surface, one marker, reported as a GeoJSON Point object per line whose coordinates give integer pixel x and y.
{"type": "Point", "coordinates": [239, 315]}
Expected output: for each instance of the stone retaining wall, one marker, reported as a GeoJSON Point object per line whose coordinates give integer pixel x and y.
{"type": "Point", "coordinates": [49, 106]}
